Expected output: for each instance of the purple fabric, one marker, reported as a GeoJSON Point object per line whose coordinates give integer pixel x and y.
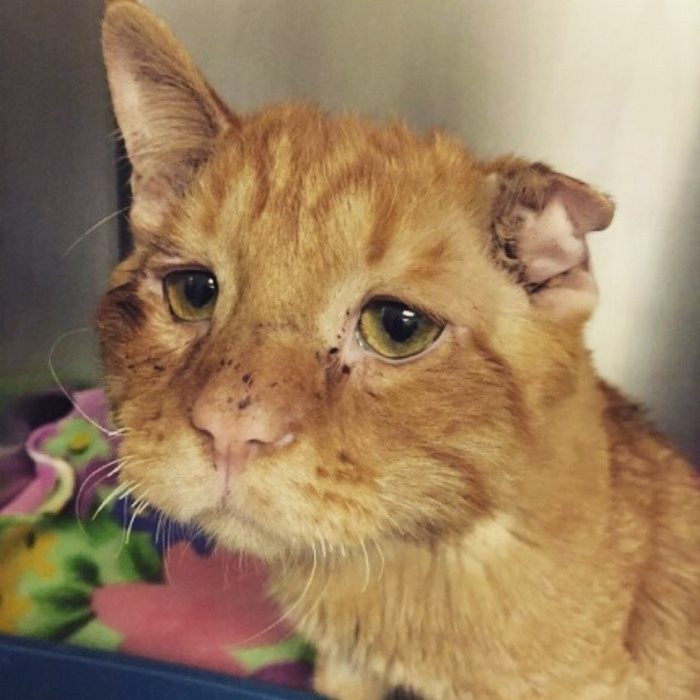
{"type": "Point", "coordinates": [292, 674]}
{"type": "Point", "coordinates": [16, 473]}
{"type": "Point", "coordinates": [42, 481]}
{"type": "Point", "coordinates": [28, 475]}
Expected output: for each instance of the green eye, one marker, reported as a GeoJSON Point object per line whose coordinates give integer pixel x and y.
{"type": "Point", "coordinates": [394, 330]}
{"type": "Point", "coordinates": [191, 294]}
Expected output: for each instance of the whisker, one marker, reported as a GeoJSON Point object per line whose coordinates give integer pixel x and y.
{"type": "Point", "coordinates": [367, 567]}
{"type": "Point", "coordinates": [92, 228]}
{"type": "Point", "coordinates": [168, 541]}
{"type": "Point", "coordinates": [319, 598]}
{"type": "Point", "coordinates": [97, 473]}
{"type": "Point", "coordinates": [119, 488]}
{"type": "Point", "coordinates": [159, 524]}
{"type": "Point", "coordinates": [137, 508]}
{"type": "Point", "coordinates": [381, 557]}
{"type": "Point", "coordinates": [56, 343]}
{"type": "Point", "coordinates": [291, 609]}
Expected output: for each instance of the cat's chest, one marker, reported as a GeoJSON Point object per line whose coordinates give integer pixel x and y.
{"type": "Point", "coordinates": [418, 618]}
{"type": "Point", "coordinates": [404, 618]}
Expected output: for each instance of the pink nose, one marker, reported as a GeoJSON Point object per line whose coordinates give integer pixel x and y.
{"type": "Point", "coordinates": [240, 433]}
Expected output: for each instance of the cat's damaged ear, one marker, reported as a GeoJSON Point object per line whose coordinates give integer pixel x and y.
{"type": "Point", "coordinates": [168, 115]}
{"type": "Point", "coordinates": [540, 220]}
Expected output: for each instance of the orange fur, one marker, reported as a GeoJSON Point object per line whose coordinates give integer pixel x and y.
{"type": "Point", "coordinates": [488, 520]}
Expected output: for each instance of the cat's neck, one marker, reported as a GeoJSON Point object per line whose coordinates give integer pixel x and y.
{"type": "Point", "coordinates": [561, 484]}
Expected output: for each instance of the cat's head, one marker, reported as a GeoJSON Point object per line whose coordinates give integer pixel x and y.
{"type": "Point", "coordinates": [329, 332]}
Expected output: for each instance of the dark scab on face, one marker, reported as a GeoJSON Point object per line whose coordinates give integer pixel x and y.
{"type": "Point", "coordinates": [244, 403]}
{"type": "Point", "coordinates": [335, 372]}
{"type": "Point", "coordinates": [157, 415]}
{"type": "Point", "coordinates": [247, 378]}
{"type": "Point", "coordinates": [344, 457]}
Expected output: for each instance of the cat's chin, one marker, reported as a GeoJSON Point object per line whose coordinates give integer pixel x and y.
{"type": "Point", "coordinates": [235, 530]}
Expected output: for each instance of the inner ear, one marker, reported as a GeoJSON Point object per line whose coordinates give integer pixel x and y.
{"type": "Point", "coordinates": [540, 220]}
{"type": "Point", "coordinates": [169, 116]}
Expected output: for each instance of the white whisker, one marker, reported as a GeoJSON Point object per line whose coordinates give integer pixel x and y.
{"type": "Point", "coordinates": [117, 490]}
{"type": "Point", "coordinates": [367, 567]}
{"type": "Point", "coordinates": [319, 598]}
{"type": "Point", "coordinates": [97, 473]}
{"type": "Point", "coordinates": [59, 384]}
{"type": "Point", "coordinates": [159, 524]}
{"type": "Point", "coordinates": [138, 508]}
{"type": "Point", "coordinates": [381, 557]}
{"type": "Point", "coordinates": [168, 541]}
{"type": "Point", "coordinates": [291, 609]}
{"type": "Point", "coordinates": [92, 228]}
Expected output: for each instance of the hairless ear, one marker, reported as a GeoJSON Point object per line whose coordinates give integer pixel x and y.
{"type": "Point", "coordinates": [540, 219]}
{"type": "Point", "coordinates": [168, 115]}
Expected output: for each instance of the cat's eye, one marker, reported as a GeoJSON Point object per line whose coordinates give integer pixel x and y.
{"type": "Point", "coordinates": [191, 294]}
{"type": "Point", "coordinates": [394, 330]}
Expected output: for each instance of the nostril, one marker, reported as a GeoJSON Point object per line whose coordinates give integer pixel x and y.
{"type": "Point", "coordinates": [204, 424]}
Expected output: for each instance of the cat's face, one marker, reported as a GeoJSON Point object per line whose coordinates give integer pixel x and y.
{"type": "Point", "coordinates": [325, 333]}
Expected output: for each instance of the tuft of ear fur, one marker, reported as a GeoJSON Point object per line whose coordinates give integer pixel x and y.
{"type": "Point", "coordinates": [540, 219]}
{"type": "Point", "coordinates": [169, 116]}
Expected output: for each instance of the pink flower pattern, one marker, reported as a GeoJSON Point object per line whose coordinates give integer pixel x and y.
{"type": "Point", "coordinates": [206, 608]}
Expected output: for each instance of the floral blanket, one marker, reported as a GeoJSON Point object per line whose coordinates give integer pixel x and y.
{"type": "Point", "coordinates": [80, 565]}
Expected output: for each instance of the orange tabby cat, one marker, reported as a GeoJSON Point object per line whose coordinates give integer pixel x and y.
{"type": "Point", "coordinates": [357, 352]}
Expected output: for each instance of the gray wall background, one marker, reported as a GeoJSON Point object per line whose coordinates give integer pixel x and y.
{"type": "Point", "coordinates": [57, 178]}
{"type": "Point", "coordinates": [607, 91]}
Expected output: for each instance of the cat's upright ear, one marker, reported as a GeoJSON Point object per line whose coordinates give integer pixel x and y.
{"type": "Point", "coordinates": [540, 220]}
{"type": "Point", "coordinates": [169, 117]}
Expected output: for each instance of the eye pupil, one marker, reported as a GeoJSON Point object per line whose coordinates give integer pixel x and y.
{"type": "Point", "coordinates": [199, 289]}
{"type": "Point", "coordinates": [394, 330]}
{"type": "Point", "coordinates": [400, 322]}
{"type": "Point", "coordinates": [191, 294]}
